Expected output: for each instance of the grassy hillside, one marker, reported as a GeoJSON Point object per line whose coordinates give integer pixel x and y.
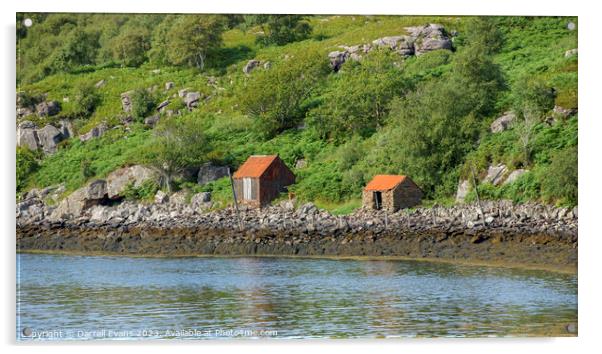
{"type": "Point", "coordinates": [425, 116]}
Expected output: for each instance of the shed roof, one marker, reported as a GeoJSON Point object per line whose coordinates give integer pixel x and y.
{"type": "Point", "coordinates": [384, 182]}
{"type": "Point", "coordinates": [255, 166]}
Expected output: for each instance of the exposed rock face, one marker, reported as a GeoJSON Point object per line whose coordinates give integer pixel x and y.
{"type": "Point", "coordinates": [162, 105]}
{"type": "Point", "coordinates": [80, 200]}
{"type": "Point", "coordinates": [95, 132]}
{"type": "Point", "coordinates": [503, 122]}
{"type": "Point", "coordinates": [495, 174]}
{"type": "Point", "coordinates": [209, 173]}
{"type": "Point", "coordinates": [462, 192]}
{"type": "Point", "coordinates": [337, 59]}
{"type": "Point", "coordinates": [301, 163]}
{"type": "Point", "coordinates": [27, 135]}
{"type": "Point", "coordinates": [192, 99]}
{"type": "Point", "coordinates": [126, 101]}
{"type": "Point", "coordinates": [169, 85]}
{"type": "Point", "coordinates": [161, 197]}
{"type": "Point", "coordinates": [250, 66]}
{"type": "Point", "coordinates": [120, 179]}
{"type": "Point", "coordinates": [514, 175]}
{"type": "Point", "coordinates": [66, 129]}
{"type": "Point", "coordinates": [564, 112]}
{"type": "Point", "coordinates": [571, 52]}
{"type": "Point", "coordinates": [182, 93]}
{"type": "Point", "coordinates": [429, 38]}
{"type": "Point", "coordinates": [23, 112]}
{"type": "Point", "coordinates": [152, 120]}
{"type": "Point", "coordinates": [178, 198]}
{"type": "Point", "coordinates": [49, 137]}
{"type": "Point", "coordinates": [46, 109]}
{"type": "Point", "coordinates": [201, 200]}
{"type": "Point", "coordinates": [421, 39]}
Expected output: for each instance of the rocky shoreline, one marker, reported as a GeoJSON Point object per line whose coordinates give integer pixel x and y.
{"type": "Point", "coordinates": [496, 232]}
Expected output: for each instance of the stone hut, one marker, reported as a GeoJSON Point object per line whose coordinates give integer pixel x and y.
{"type": "Point", "coordinates": [260, 179]}
{"type": "Point", "coordinates": [391, 193]}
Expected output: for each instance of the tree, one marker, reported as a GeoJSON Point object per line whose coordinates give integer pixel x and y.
{"type": "Point", "coordinates": [192, 38]}
{"type": "Point", "coordinates": [85, 99]}
{"type": "Point", "coordinates": [177, 144]}
{"type": "Point", "coordinates": [356, 101]}
{"type": "Point", "coordinates": [79, 49]}
{"type": "Point", "coordinates": [130, 47]}
{"type": "Point", "coordinates": [143, 104]}
{"type": "Point", "coordinates": [560, 178]}
{"type": "Point", "coordinates": [434, 127]}
{"type": "Point", "coordinates": [277, 98]}
{"type": "Point", "coordinates": [532, 99]}
{"type": "Point", "coordinates": [484, 31]}
{"type": "Point", "coordinates": [282, 29]}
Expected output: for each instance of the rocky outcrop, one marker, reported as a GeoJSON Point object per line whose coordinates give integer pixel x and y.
{"type": "Point", "coordinates": [126, 101]}
{"type": "Point", "coordinates": [169, 85]}
{"type": "Point", "coordinates": [27, 135]}
{"type": "Point", "coordinates": [503, 122]}
{"type": "Point", "coordinates": [152, 120]}
{"type": "Point", "coordinates": [77, 202]}
{"type": "Point", "coordinates": [495, 174]}
{"type": "Point", "coordinates": [571, 52]}
{"type": "Point", "coordinates": [48, 108]}
{"type": "Point", "coordinates": [95, 132]}
{"type": "Point", "coordinates": [420, 40]}
{"type": "Point", "coordinates": [46, 138]}
{"type": "Point", "coordinates": [514, 175]}
{"type": "Point", "coordinates": [209, 172]}
{"type": "Point", "coordinates": [161, 197]}
{"type": "Point", "coordinates": [162, 105]}
{"type": "Point", "coordinates": [49, 137]}
{"type": "Point", "coordinates": [250, 66]}
{"type": "Point", "coordinates": [462, 191]}
{"type": "Point", "coordinates": [117, 181]}
{"type": "Point", "coordinates": [192, 99]}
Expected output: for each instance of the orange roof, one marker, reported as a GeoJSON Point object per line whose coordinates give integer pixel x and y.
{"type": "Point", "coordinates": [255, 166]}
{"type": "Point", "coordinates": [384, 182]}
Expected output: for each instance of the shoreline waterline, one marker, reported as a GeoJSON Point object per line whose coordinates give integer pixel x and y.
{"type": "Point", "coordinates": [569, 270]}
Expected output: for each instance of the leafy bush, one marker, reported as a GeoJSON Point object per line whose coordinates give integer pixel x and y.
{"type": "Point", "coordinates": [85, 99]}
{"type": "Point", "coordinates": [356, 100]}
{"type": "Point", "coordinates": [143, 104]}
{"type": "Point", "coordinates": [277, 98]}
{"type": "Point", "coordinates": [282, 29]}
{"type": "Point", "coordinates": [560, 178]}
{"type": "Point", "coordinates": [145, 192]}
{"type": "Point", "coordinates": [130, 47]}
{"type": "Point", "coordinates": [27, 164]}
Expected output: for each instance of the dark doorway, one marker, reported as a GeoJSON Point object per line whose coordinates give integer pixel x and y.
{"type": "Point", "coordinates": [378, 200]}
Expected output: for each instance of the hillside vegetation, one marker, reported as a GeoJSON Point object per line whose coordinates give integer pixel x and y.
{"type": "Point", "coordinates": [425, 116]}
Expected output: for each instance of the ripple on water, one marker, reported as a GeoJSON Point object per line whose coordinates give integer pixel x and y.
{"type": "Point", "coordinates": [295, 297]}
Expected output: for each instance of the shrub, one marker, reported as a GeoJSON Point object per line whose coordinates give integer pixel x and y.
{"type": "Point", "coordinates": [85, 99]}
{"type": "Point", "coordinates": [143, 104]}
{"type": "Point", "coordinates": [276, 98]}
{"type": "Point", "coordinates": [146, 191]}
{"type": "Point", "coordinates": [26, 164]}
{"type": "Point", "coordinates": [560, 179]}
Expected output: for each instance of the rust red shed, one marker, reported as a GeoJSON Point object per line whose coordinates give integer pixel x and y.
{"type": "Point", "coordinates": [260, 179]}
{"type": "Point", "coordinates": [391, 192]}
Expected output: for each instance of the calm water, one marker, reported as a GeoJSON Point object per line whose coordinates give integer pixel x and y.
{"type": "Point", "coordinates": [84, 297]}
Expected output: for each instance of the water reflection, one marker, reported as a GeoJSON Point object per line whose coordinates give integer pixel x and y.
{"type": "Point", "coordinates": [149, 297]}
